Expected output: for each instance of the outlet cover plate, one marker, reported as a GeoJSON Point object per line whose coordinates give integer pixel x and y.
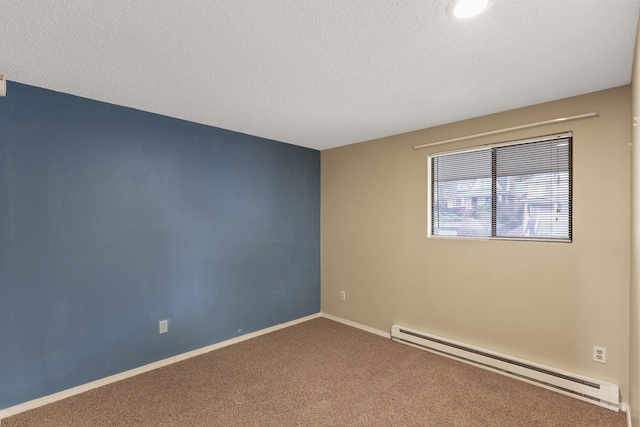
{"type": "Point", "coordinates": [163, 326]}
{"type": "Point", "coordinates": [599, 354]}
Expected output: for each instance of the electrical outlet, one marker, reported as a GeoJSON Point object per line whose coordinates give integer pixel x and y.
{"type": "Point", "coordinates": [163, 326]}
{"type": "Point", "coordinates": [599, 354]}
{"type": "Point", "coordinates": [343, 295]}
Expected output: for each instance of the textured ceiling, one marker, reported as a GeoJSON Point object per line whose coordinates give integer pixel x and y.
{"type": "Point", "coordinates": [318, 73]}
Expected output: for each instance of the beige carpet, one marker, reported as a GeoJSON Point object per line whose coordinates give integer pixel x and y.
{"type": "Point", "coordinates": [319, 373]}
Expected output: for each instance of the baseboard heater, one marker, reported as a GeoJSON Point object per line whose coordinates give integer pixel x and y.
{"type": "Point", "coordinates": [583, 388]}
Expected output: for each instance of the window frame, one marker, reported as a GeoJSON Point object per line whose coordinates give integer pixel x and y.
{"type": "Point", "coordinates": [430, 190]}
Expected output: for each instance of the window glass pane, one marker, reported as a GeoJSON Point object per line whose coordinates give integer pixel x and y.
{"type": "Point", "coordinates": [462, 194]}
{"type": "Point", "coordinates": [532, 197]}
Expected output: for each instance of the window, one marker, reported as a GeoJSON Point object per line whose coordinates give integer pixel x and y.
{"type": "Point", "coordinates": [517, 190]}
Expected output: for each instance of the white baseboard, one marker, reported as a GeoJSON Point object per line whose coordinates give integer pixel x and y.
{"type": "Point", "coordinates": [32, 404]}
{"type": "Point", "coordinates": [357, 325]}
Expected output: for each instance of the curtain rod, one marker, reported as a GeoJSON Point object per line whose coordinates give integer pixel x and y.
{"type": "Point", "coordinates": [493, 132]}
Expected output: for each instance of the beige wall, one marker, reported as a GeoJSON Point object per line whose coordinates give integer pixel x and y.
{"type": "Point", "coordinates": [634, 336]}
{"type": "Point", "coordinates": [545, 302]}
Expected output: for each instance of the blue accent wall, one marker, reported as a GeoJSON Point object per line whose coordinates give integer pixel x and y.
{"type": "Point", "coordinates": [112, 219]}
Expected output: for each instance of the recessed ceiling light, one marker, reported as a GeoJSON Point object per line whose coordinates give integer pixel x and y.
{"type": "Point", "coordinates": [464, 9]}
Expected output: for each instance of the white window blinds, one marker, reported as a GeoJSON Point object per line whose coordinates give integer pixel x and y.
{"type": "Point", "coordinates": [519, 190]}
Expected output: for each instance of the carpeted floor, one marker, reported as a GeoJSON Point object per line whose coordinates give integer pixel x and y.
{"type": "Point", "coordinates": [319, 373]}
